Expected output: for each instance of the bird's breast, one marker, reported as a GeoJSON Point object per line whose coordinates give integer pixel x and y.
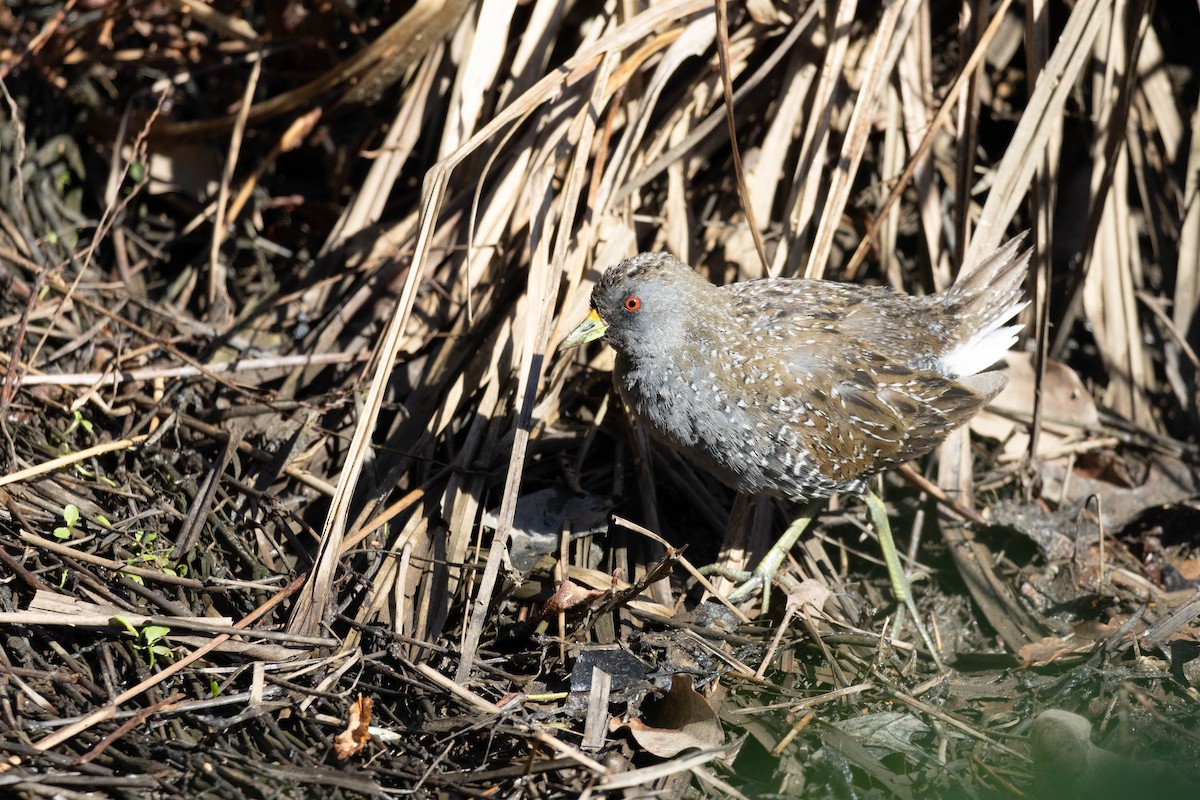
{"type": "Point", "coordinates": [750, 433]}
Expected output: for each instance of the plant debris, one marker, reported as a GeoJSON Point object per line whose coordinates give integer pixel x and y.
{"type": "Point", "coordinates": [280, 290]}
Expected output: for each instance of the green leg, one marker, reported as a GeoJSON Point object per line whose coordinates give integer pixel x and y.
{"type": "Point", "coordinates": [763, 574]}
{"type": "Point", "coordinates": [895, 569]}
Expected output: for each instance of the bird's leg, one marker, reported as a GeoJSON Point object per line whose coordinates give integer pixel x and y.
{"type": "Point", "coordinates": [764, 573]}
{"type": "Point", "coordinates": [900, 587]}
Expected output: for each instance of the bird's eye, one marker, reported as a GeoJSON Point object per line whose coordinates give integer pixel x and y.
{"type": "Point", "coordinates": [633, 303]}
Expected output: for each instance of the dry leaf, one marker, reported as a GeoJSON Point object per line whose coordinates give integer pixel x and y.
{"type": "Point", "coordinates": [683, 719]}
{"type": "Point", "coordinates": [1054, 648]}
{"type": "Point", "coordinates": [568, 595]}
{"type": "Point", "coordinates": [809, 594]}
{"type": "Point", "coordinates": [1168, 481]}
{"type": "Point", "coordinates": [1188, 568]}
{"type": "Point", "coordinates": [351, 740]}
{"type": "Point", "coordinates": [1066, 407]}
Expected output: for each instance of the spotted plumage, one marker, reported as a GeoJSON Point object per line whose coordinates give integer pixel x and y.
{"type": "Point", "coordinates": [798, 388]}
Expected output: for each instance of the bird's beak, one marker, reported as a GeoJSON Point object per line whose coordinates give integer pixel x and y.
{"type": "Point", "coordinates": [591, 329]}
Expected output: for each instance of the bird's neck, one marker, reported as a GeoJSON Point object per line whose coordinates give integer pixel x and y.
{"type": "Point", "coordinates": [653, 386]}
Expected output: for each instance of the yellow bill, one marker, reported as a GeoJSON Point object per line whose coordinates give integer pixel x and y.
{"type": "Point", "coordinates": [591, 329]}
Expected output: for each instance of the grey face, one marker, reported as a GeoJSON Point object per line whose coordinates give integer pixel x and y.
{"type": "Point", "coordinates": [645, 303]}
{"type": "Point", "coordinates": [639, 314]}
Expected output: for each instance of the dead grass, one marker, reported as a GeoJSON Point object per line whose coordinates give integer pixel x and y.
{"type": "Point", "coordinates": [279, 296]}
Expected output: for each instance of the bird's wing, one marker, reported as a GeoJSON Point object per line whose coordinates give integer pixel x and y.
{"type": "Point", "coordinates": [894, 414]}
{"type": "Point", "coordinates": [795, 317]}
{"type": "Point", "coordinates": [861, 398]}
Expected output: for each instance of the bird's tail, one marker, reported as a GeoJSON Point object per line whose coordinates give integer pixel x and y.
{"type": "Point", "coordinates": [983, 298]}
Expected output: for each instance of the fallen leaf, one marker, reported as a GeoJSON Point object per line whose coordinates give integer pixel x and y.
{"type": "Point", "coordinates": [1054, 648]}
{"type": "Point", "coordinates": [351, 740]}
{"type": "Point", "coordinates": [568, 595]}
{"type": "Point", "coordinates": [542, 516]}
{"type": "Point", "coordinates": [1066, 407]}
{"type": "Point", "coordinates": [681, 720]}
{"type": "Point", "coordinates": [1168, 481]}
{"type": "Point", "coordinates": [810, 594]}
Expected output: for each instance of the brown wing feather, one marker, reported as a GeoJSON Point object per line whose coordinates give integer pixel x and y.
{"type": "Point", "coordinates": [892, 417]}
{"type": "Point", "coordinates": [858, 361]}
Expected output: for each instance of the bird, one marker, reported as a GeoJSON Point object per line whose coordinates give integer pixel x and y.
{"type": "Point", "coordinates": [802, 389]}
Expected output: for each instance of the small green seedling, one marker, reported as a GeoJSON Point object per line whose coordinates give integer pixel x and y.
{"type": "Point", "coordinates": [153, 557]}
{"type": "Point", "coordinates": [79, 421]}
{"type": "Point", "coordinates": [70, 516]}
{"type": "Point", "coordinates": [147, 639]}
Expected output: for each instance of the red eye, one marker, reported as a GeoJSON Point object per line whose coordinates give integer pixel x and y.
{"type": "Point", "coordinates": [633, 303]}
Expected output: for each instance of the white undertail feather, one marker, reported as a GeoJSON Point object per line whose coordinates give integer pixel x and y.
{"type": "Point", "coordinates": [990, 294]}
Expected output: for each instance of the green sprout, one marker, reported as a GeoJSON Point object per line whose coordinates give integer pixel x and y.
{"type": "Point", "coordinates": [79, 421]}
{"type": "Point", "coordinates": [70, 516]}
{"type": "Point", "coordinates": [152, 557]}
{"type": "Point", "coordinates": [148, 639]}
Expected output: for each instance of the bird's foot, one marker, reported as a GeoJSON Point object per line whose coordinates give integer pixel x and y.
{"type": "Point", "coordinates": [761, 577]}
{"type": "Point", "coordinates": [900, 583]}
{"type": "Point", "coordinates": [748, 582]}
